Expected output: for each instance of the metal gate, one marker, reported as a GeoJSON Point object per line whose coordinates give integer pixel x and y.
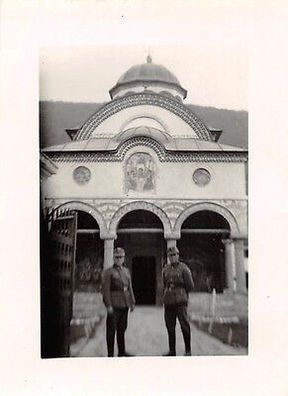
{"type": "Point", "coordinates": [57, 281]}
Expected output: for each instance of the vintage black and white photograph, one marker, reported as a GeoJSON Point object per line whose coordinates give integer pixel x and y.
{"type": "Point", "coordinates": [143, 204]}
{"type": "Point", "coordinates": [144, 201]}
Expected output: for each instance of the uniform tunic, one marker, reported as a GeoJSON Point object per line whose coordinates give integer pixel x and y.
{"type": "Point", "coordinates": [117, 287]}
{"type": "Point", "coordinates": [178, 282]}
{"type": "Point", "coordinates": [117, 293]}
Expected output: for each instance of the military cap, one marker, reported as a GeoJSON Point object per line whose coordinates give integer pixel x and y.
{"type": "Point", "coordinates": [172, 249]}
{"type": "Point", "coordinates": [119, 251]}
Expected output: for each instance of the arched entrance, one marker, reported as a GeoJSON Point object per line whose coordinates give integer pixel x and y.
{"type": "Point", "coordinates": [89, 254]}
{"type": "Point", "coordinates": [140, 233]}
{"type": "Point", "coordinates": [202, 249]}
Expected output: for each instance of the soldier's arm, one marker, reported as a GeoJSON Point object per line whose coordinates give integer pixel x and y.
{"type": "Point", "coordinates": [164, 280]}
{"type": "Point", "coordinates": [106, 289]}
{"type": "Point", "coordinates": [131, 289]}
{"type": "Point", "coordinates": [188, 280]}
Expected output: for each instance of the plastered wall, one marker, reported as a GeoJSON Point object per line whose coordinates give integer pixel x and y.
{"type": "Point", "coordinates": [172, 180]}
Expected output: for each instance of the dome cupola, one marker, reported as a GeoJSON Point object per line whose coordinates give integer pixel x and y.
{"type": "Point", "coordinates": [148, 77]}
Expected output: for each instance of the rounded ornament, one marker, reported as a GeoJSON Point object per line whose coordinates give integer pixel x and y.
{"type": "Point", "coordinates": [81, 175]}
{"type": "Point", "coordinates": [201, 177]}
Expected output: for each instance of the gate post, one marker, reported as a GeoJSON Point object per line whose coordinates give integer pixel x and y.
{"type": "Point", "coordinates": [108, 252]}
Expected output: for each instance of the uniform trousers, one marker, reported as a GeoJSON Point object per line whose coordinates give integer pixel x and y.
{"type": "Point", "coordinates": [171, 313]}
{"type": "Point", "coordinates": [116, 323]}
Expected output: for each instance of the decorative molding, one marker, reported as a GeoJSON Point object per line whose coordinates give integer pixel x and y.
{"type": "Point", "coordinates": [213, 207]}
{"type": "Point", "coordinates": [162, 154]}
{"type": "Point", "coordinates": [172, 213]}
{"type": "Point", "coordinates": [129, 120]}
{"type": "Point", "coordinates": [85, 207]}
{"type": "Point", "coordinates": [129, 87]}
{"type": "Point", "coordinates": [107, 209]}
{"type": "Point", "coordinates": [140, 205]}
{"type": "Point", "coordinates": [236, 205]}
{"type": "Point", "coordinates": [156, 200]}
{"type": "Point", "coordinates": [139, 99]}
{"type": "Point", "coordinates": [173, 209]}
{"type": "Point", "coordinates": [47, 167]}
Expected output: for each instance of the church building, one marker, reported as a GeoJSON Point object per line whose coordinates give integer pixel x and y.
{"type": "Point", "coordinates": [145, 173]}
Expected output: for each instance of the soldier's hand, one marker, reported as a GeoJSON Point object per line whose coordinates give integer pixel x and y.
{"type": "Point", "coordinates": [132, 308]}
{"type": "Point", "coordinates": [110, 310]}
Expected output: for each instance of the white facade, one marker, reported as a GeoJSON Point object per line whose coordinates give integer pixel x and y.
{"type": "Point", "coordinates": [148, 152]}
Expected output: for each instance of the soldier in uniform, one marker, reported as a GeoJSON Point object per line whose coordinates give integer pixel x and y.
{"type": "Point", "coordinates": [178, 282]}
{"type": "Point", "coordinates": [118, 297]}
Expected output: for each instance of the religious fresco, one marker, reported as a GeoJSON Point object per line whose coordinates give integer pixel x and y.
{"type": "Point", "coordinates": [140, 173]}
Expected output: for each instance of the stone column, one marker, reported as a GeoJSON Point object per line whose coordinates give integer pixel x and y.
{"type": "Point", "coordinates": [239, 266]}
{"type": "Point", "coordinates": [171, 242]}
{"type": "Point", "coordinates": [108, 252]}
{"type": "Point", "coordinates": [229, 263]}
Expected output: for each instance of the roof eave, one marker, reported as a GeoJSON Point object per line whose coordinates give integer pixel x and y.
{"type": "Point", "coordinates": [115, 89]}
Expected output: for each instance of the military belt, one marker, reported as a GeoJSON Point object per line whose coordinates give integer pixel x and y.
{"type": "Point", "coordinates": [173, 287]}
{"type": "Point", "coordinates": [125, 288]}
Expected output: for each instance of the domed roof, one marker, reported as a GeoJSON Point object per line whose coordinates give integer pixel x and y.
{"type": "Point", "coordinates": [148, 72]}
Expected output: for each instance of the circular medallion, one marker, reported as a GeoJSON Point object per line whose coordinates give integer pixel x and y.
{"type": "Point", "coordinates": [201, 177]}
{"type": "Point", "coordinates": [81, 175]}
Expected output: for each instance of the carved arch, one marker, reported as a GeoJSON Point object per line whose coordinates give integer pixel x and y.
{"type": "Point", "coordinates": [84, 207]}
{"type": "Point", "coordinates": [212, 207]}
{"type": "Point", "coordinates": [164, 126]}
{"type": "Point", "coordinates": [140, 99]}
{"type": "Point", "coordinates": [140, 205]}
{"type": "Point", "coordinates": [144, 131]}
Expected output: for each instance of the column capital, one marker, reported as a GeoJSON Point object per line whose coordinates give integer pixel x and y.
{"type": "Point", "coordinates": [106, 235]}
{"type": "Point", "coordinates": [172, 235]}
{"type": "Point", "coordinates": [227, 241]}
{"type": "Point", "coordinates": [240, 238]}
{"type": "Point", "coordinates": [238, 235]}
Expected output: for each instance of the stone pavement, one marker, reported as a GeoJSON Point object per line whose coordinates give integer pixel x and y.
{"type": "Point", "coordinates": [146, 336]}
